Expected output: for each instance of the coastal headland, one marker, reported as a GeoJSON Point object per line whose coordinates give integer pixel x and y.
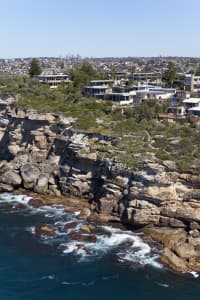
{"type": "Point", "coordinates": [42, 155]}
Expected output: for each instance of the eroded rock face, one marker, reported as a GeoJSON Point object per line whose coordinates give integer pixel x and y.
{"type": "Point", "coordinates": [40, 153]}
{"type": "Point", "coordinates": [30, 175]}
{"type": "Point", "coordinates": [181, 249]}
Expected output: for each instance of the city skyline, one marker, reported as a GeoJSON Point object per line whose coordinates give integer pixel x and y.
{"type": "Point", "coordinates": [103, 29]}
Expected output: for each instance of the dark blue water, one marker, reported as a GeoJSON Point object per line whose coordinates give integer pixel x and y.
{"type": "Point", "coordinates": [34, 269]}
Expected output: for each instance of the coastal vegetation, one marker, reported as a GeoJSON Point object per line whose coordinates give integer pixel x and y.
{"type": "Point", "coordinates": [138, 131]}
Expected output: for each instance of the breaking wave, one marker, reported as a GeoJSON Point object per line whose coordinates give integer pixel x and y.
{"type": "Point", "coordinates": [125, 245]}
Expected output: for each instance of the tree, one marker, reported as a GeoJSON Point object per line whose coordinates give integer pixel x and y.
{"type": "Point", "coordinates": [34, 68]}
{"type": "Point", "coordinates": [82, 75]}
{"type": "Point", "coordinates": [197, 72]}
{"type": "Point", "coordinates": [170, 75]}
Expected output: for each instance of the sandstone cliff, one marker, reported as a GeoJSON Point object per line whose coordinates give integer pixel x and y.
{"type": "Point", "coordinates": [42, 153]}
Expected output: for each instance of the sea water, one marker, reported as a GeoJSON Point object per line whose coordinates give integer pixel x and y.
{"type": "Point", "coordinates": [119, 265]}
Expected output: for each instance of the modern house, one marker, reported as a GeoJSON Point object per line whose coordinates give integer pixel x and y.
{"type": "Point", "coordinates": [98, 88]}
{"type": "Point", "coordinates": [194, 111]}
{"type": "Point", "coordinates": [190, 82]}
{"type": "Point", "coordinates": [191, 103]}
{"type": "Point", "coordinates": [53, 80]}
{"type": "Point", "coordinates": [176, 110]}
{"type": "Point", "coordinates": [120, 98]}
{"type": "Point", "coordinates": [181, 94]}
{"type": "Point", "coordinates": [150, 78]}
{"type": "Point", "coordinates": [96, 91]}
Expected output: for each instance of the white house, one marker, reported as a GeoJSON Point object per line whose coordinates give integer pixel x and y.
{"type": "Point", "coordinates": [191, 102]}
{"type": "Point", "coordinates": [53, 80]}
{"type": "Point", "coordinates": [120, 98]}
{"type": "Point", "coordinates": [194, 111]}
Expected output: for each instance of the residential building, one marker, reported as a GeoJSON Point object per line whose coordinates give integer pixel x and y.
{"type": "Point", "coordinates": [98, 88]}
{"type": "Point", "coordinates": [191, 103]}
{"type": "Point", "coordinates": [53, 80]}
{"type": "Point", "coordinates": [120, 98]}
{"type": "Point", "coordinates": [176, 110]}
{"type": "Point", "coordinates": [194, 111]}
{"type": "Point", "coordinates": [190, 82]}
{"type": "Point", "coordinates": [150, 78]}
{"type": "Point", "coordinates": [181, 94]}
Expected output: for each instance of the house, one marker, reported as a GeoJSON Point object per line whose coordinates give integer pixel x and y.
{"type": "Point", "coordinates": [190, 82]}
{"type": "Point", "coordinates": [150, 77]}
{"type": "Point", "coordinates": [53, 80]}
{"type": "Point", "coordinates": [191, 102]}
{"type": "Point", "coordinates": [195, 111]}
{"type": "Point", "coordinates": [176, 110]}
{"type": "Point", "coordinates": [98, 88]}
{"type": "Point", "coordinates": [120, 98]}
{"type": "Point", "coordinates": [181, 94]}
{"type": "Point", "coordinates": [97, 92]}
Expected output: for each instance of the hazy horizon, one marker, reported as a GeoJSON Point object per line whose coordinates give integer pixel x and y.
{"type": "Point", "coordinates": [102, 29]}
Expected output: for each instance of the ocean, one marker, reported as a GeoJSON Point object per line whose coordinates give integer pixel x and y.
{"type": "Point", "coordinates": [118, 265]}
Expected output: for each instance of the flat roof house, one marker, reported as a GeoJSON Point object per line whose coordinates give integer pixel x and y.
{"type": "Point", "coordinates": [53, 80]}
{"type": "Point", "coordinates": [120, 98]}
{"type": "Point", "coordinates": [194, 111]}
{"type": "Point", "coordinates": [97, 92]}
{"type": "Point", "coordinates": [98, 88]}
{"type": "Point", "coordinates": [176, 110]}
{"type": "Point", "coordinates": [191, 82]}
{"type": "Point", "coordinates": [191, 102]}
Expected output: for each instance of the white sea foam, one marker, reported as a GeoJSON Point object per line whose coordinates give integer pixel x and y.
{"type": "Point", "coordinates": [194, 274]}
{"type": "Point", "coordinates": [128, 246]}
{"type": "Point", "coordinates": [8, 197]}
{"type": "Point", "coordinates": [49, 277]}
{"type": "Point", "coordinates": [132, 247]}
{"type": "Point", "coordinates": [162, 284]}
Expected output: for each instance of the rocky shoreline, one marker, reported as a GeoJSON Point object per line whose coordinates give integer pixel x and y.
{"type": "Point", "coordinates": [42, 154]}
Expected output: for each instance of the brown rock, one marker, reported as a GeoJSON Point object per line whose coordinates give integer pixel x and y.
{"type": "Point", "coordinates": [87, 228]}
{"type": "Point", "coordinates": [30, 174]}
{"type": "Point", "coordinates": [36, 202]}
{"type": "Point", "coordinates": [71, 209]}
{"type": "Point", "coordinates": [167, 236]}
{"type": "Point", "coordinates": [6, 187]}
{"type": "Point", "coordinates": [11, 178]}
{"type": "Point", "coordinates": [42, 184]}
{"type": "Point", "coordinates": [70, 225]}
{"type": "Point", "coordinates": [44, 230]}
{"type": "Point", "coordinates": [82, 237]}
{"type": "Point", "coordinates": [184, 250]}
{"type": "Point", "coordinates": [85, 213]}
{"type": "Point", "coordinates": [173, 261]}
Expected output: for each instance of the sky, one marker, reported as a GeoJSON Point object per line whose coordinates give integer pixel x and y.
{"type": "Point", "coordinates": [99, 28]}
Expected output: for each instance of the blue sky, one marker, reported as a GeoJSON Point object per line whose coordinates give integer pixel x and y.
{"type": "Point", "coordinates": [99, 28]}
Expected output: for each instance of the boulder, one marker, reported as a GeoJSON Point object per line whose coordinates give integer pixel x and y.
{"type": "Point", "coordinates": [184, 250]}
{"type": "Point", "coordinates": [167, 236]}
{"type": "Point", "coordinates": [84, 214]}
{"type": "Point", "coordinates": [13, 149]}
{"type": "Point", "coordinates": [42, 184]}
{"type": "Point", "coordinates": [70, 225]}
{"type": "Point", "coordinates": [36, 202]}
{"type": "Point", "coordinates": [6, 188]}
{"type": "Point", "coordinates": [173, 261]}
{"type": "Point", "coordinates": [30, 175]}
{"type": "Point", "coordinates": [87, 228]}
{"type": "Point", "coordinates": [44, 230]}
{"type": "Point", "coordinates": [11, 178]}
